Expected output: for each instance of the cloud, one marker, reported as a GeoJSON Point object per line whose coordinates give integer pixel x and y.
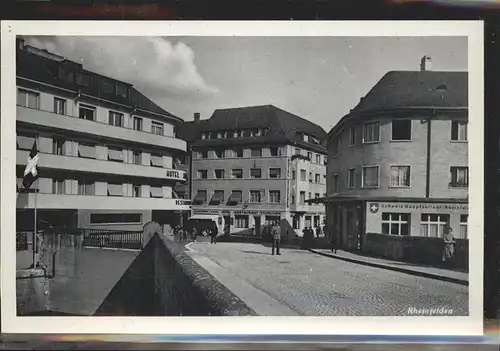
{"type": "Point", "coordinates": [155, 66]}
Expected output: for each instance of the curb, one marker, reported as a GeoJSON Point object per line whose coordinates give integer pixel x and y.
{"type": "Point", "coordinates": [397, 269]}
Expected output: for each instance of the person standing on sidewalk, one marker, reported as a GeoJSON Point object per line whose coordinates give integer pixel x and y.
{"type": "Point", "coordinates": [276, 235]}
{"type": "Point", "coordinates": [449, 245]}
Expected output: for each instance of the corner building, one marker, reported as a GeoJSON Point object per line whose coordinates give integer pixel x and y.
{"type": "Point", "coordinates": [257, 165]}
{"type": "Point", "coordinates": [106, 152]}
{"type": "Point", "coordinates": [398, 162]}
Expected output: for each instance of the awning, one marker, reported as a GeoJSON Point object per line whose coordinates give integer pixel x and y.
{"type": "Point", "coordinates": [156, 191]}
{"type": "Point", "coordinates": [115, 155]}
{"type": "Point", "coordinates": [24, 143]}
{"type": "Point", "coordinates": [202, 216]}
{"type": "Point", "coordinates": [235, 198]}
{"type": "Point", "coordinates": [115, 189]}
{"type": "Point", "coordinates": [201, 197]}
{"type": "Point", "coordinates": [156, 161]}
{"type": "Point", "coordinates": [217, 198]}
{"type": "Point", "coordinates": [86, 151]}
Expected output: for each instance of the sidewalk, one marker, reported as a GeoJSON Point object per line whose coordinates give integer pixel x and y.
{"type": "Point", "coordinates": [404, 267]}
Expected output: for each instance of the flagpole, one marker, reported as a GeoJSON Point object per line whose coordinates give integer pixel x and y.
{"type": "Point", "coordinates": [35, 239]}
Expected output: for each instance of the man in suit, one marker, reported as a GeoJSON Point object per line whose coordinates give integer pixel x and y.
{"type": "Point", "coordinates": [276, 235]}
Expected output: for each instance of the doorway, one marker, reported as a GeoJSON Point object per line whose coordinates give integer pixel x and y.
{"type": "Point", "coordinates": [257, 225]}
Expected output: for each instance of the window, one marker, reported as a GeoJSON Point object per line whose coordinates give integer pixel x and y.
{"type": "Point", "coordinates": [274, 151]}
{"type": "Point", "coordinates": [217, 198]}
{"type": "Point", "coordinates": [352, 136]}
{"type": "Point", "coordinates": [86, 112]}
{"type": "Point", "coordinates": [310, 177]}
{"type": "Point", "coordinates": [370, 176]}
{"type": "Point", "coordinates": [235, 198]}
{"type": "Point", "coordinates": [336, 147]}
{"type": "Point", "coordinates": [255, 196]}
{"type": "Point", "coordinates": [274, 173]}
{"type": "Point", "coordinates": [115, 154]}
{"type": "Point", "coordinates": [459, 177]}
{"type": "Point", "coordinates": [302, 197]}
{"type": "Point", "coordinates": [157, 128]}
{"type": "Point", "coordinates": [297, 151]}
{"type": "Point", "coordinates": [310, 156]}
{"type": "Point", "coordinates": [136, 156]}
{"type": "Point", "coordinates": [241, 221]}
{"type": "Point", "coordinates": [255, 173]}
{"type": "Point", "coordinates": [317, 178]}
{"type": "Point", "coordinates": [219, 174]}
{"type": "Point", "coordinates": [85, 187]}
{"type": "Point", "coordinates": [238, 153]}
{"type": "Point", "coordinates": [115, 189]}
{"type": "Point", "coordinates": [121, 90]}
{"type": "Point", "coordinates": [371, 132]}
{"type": "Point", "coordinates": [28, 99]}
{"type": "Point", "coordinates": [401, 129]}
{"type": "Point", "coordinates": [200, 198]}
{"type": "Point", "coordinates": [136, 190]}
{"type": "Point", "coordinates": [25, 142]}
{"type": "Point", "coordinates": [351, 178]}
{"type": "Point", "coordinates": [459, 130]}
{"type": "Point", "coordinates": [82, 79]}
{"type": "Point", "coordinates": [293, 199]}
{"type": "Point", "coordinates": [294, 175]}
{"type": "Point", "coordinates": [400, 176]}
{"type": "Point", "coordinates": [86, 150]}
{"type": "Point", "coordinates": [58, 186]}
{"type": "Point", "coordinates": [107, 86]}
{"type": "Point", "coordinates": [463, 226]}
{"type": "Point", "coordinates": [203, 136]}
{"type": "Point", "coordinates": [396, 223]}
{"type": "Point", "coordinates": [202, 174]}
{"type": "Point", "coordinates": [203, 154]}
{"type": "Point", "coordinates": [219, 153]}
{"type": "Point", "coordinates": [336, 183]}
{"type": "Point", "coordinates": [272, 220]}
{"type": "Point", "coordinates": [256, 152]}
{"type": "Point", "coordinates": [57, 146]}
{"type": "Point", "coordinates": [59, 106]}
{"type": "Point", "coordinates": [138, 123]}
{"type": "Point", "coordinates": [303, 175]}
{"type": "Point", "coordinates": [432, 225]}
{"type": "Point", "coordinates": [115, 218]}
{"type": "Point", "coordinates": [237, 173]}
{"type": "Point", "coordinates": [274, 196]}
{"type": "Point", "coordinates": [318, 158]}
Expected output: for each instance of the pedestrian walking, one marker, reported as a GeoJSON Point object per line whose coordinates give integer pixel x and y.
{"type": "Point", "coordinates": [213, 235]}
{"type": "Point", "coordinates": [180, 234]}
{"type": "Point", "coordinates": [318, 231]}
{"type": "Point", "coordinates": [184, 234]}
{"type": "Point", "coordinates": [194, 234]}
{"type": "Point", "coordinates": [333, 241]}
{"type": "Point", "coordinates": [276, 235]}
{"type": "Point", "coordinates": [449, 245]}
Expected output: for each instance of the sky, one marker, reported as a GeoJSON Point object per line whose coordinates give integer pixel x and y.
{"type": "Point", "coordinates": [318, 78]}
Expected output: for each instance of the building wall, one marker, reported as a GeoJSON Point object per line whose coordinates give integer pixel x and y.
{"type": "Point", "coordinates": [444, 154]}
{"type": "Point", "coordinates": [84, 220]}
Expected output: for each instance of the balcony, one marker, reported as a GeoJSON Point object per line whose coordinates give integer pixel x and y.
{"type": "Point", "coordinates": [71, 163]}
{"type": "Point", "coordinates": [63, 122]}
{"type": "Point", "coordinates": [89, 202]}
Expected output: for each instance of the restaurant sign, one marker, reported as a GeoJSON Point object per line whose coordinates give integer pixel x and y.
{"type": "Point", "coordinates": [417, 206]}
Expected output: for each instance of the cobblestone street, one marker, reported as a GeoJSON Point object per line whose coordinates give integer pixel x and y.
{"type": "Point", "coordinates": [313, 285]}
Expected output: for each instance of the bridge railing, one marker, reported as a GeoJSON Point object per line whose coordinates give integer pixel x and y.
{"type": "Point", "coordinates": [112, 239]}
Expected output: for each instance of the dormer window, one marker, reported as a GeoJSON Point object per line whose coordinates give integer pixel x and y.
{"type": "Point", "coordinates": [121, 90]}
{"type": "Point", "coordinates": [107, 86]}
{"type": "Point", "coordinates": [82, 79]}
{"type": "Point", "coordinates": [203, 136]}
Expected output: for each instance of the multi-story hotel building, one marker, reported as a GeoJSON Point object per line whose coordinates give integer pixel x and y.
{"type": "Point", "coordinates": [398, 162]}
{"type": "Point", "coordinates": [256, 166]}
{"type": "Point", "coordinates": [106, 151]}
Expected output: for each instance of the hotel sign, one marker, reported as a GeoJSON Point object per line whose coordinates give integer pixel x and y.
{"type": "Point", "coordinates": [417, 206]}
{"type": "Point", "coordinates": [174, 174]}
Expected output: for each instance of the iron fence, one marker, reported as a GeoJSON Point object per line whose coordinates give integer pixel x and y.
{"type": "Point", "coordinates": [112, 239]}
{"type": "Point", "coordinates": [21, 241]}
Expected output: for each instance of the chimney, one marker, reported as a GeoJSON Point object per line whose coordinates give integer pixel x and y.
{"type": "Point", "coordinates": [426, 63]}
{"type": "Point", "coordinates": [196, 117]}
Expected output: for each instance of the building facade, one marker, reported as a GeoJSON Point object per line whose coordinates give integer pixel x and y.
{"type": "Point", "coordinates": [106, 152]}
{"type": "Point", "coordinates": [398, 162]}
{"type": "Point", "coordinates": [256, 166]}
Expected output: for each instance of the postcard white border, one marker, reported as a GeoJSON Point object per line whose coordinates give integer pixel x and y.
{"type": "Point", "coordinates": [471, 325]}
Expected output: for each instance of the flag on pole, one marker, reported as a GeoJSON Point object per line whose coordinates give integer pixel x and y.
{"type": "Point", "coordinates": [31, 170]}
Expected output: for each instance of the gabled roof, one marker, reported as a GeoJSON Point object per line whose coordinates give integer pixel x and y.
{"type": "Point", "coordinates": [416, 89]}
{"type": "Point", "coordinates": [45, 70]}
{"type": "Point", "coordinates": [284, 127]}
{"type": "Point", "coordinates": [413, 90]}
